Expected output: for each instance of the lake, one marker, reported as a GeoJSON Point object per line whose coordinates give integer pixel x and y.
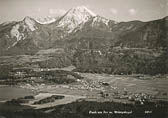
{"type": "Point", "coordinates": [11, 92]}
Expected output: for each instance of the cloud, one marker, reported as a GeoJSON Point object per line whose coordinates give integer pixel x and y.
{"type": "Point", "coordinates": [132, 11]}
{"type": "Point", "coordinates": [113, 11]}
{"type": "Point", "coordinates": [57, 11]}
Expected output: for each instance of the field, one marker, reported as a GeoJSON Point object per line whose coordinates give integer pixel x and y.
{"type": "Point", "coordinates": [97, 88]}
{"type": "Point", "coordinates": [92, 85]}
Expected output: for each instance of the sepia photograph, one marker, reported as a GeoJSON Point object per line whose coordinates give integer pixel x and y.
{"type": "Point", "coordinates": [83, 58]}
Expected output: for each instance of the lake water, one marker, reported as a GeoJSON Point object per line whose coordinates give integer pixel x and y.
{"type": "Point", "coordinates": [11, 92]}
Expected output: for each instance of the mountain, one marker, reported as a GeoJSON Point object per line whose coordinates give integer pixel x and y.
{"type": "Point", "coordinates": [14, 32]}
{"type": "Point", "coordinates": [47, 19]}
{"type": "Point", "coordinates": [65, 25]}
{"type": "Point", "coordinates": [96, 26]}
{"type": "Point", "coordinates": [120, 48]}
{"type": "Point", "coordinates": [81, 26]}
{"type": "Point", "coordinates": [152, 34]}
{"type": "Point", "coordinates": [75, 16]}
{"type": "Point", "coordinates": [133, 34]}
{"type": "Point", "coordinates": [90, 42]}
{"type": "Point", "coordinates": [32, 35]}
{"type": "Point", "coordinates": [96, 23]}
{"type": "Point", "coordinates": [23, 36]}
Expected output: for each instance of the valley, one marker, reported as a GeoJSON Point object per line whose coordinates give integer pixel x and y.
{"type": "Point", "coordinates": [83, 65]}
{"type": "Point", "coordinates": [136, 91]}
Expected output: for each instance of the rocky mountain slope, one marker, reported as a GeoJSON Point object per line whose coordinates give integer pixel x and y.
{"type": "Point", "coordinates": [23, 37]}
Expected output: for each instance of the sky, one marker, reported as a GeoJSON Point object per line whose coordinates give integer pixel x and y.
{"type": "Point", "coordinates": [118, 10]}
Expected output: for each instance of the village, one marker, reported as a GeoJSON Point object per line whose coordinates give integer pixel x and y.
{"type": "Point", "coordinates": [87, 86]}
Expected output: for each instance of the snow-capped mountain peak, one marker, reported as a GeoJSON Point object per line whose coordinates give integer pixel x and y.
{"type": "Point", "coordinates": [46, 20]}
{"type": "Point", "coordinates": [83, 9]}
{"type": "Point", "coordinates": [74, 17]}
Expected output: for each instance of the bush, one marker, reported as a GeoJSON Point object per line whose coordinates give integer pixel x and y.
{"type": "Point", "coordinates": [29, 97]}
{"type": "Point", "coordinates": [5, 71]}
